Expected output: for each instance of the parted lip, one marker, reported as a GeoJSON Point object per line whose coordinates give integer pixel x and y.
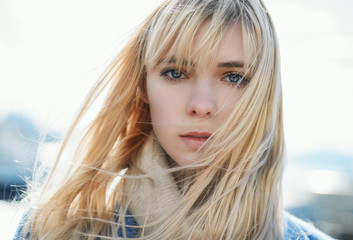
{"type": "Point", "coordinates": [197, 134]}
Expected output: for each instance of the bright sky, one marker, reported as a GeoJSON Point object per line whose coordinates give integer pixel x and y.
{"type": "Point", "coordinates": [51, 52]}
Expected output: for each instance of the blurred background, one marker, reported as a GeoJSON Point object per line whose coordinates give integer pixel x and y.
{"type": "Point", "coordinates": [51, 52]}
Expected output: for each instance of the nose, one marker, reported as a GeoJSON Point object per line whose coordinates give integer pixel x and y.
{"type": "Point", "coordinates": [202, 101]}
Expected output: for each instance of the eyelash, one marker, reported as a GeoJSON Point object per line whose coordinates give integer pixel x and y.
{"type": "Point", "coordinates": [242, 78]}
{"type": "Point", "coordinates": [166, 71]}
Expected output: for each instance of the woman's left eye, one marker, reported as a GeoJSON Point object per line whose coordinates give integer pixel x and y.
{"type": "Point", "coordinates": [236, 78]}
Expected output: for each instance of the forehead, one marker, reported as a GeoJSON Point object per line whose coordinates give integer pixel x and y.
{"type": "Point", "coordinates": [230, 47]}
{"type": "Point", "coordinates": [227, 49]}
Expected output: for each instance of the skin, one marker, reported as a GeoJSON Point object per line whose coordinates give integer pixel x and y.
{"type": "Point", "coordinates": [196, 101]}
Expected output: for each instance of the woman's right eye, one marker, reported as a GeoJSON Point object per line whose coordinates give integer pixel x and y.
{"type": "Point", "coordinates": [172, 74]}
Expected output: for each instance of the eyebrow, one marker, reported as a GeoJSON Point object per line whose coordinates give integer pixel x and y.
{"type": "Point", "coordinates": [184, 62]}
{"type": "Point", "coordinates": [231, 64]}
{"type": "Point", "coordinates": [172, 59]}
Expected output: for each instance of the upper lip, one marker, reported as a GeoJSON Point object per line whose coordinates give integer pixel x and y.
{"type": "Point", "coordinates": [197, 134]}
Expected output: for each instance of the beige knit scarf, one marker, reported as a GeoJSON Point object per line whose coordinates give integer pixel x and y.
{"type": "Point", "coordinates": [150, 199]}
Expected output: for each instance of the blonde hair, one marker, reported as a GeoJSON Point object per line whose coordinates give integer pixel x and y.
{"type": "Point", "coordinates": [241, 170]}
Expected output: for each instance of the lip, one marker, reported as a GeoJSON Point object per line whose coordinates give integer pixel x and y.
{"type": "Point", "coordinates": [195, 140]}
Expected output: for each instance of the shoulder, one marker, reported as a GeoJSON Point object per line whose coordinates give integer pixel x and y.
{"type": "Point", "coordinates": [294, 229]}
{"type": "Point", "coordinates": [19, 234]}
{"type": "Point", "coordinates": [297, 229]}
{"type": "Point", "coordinates": [130, 229]}
{"type": "Point", "coordinates": [131, 224]}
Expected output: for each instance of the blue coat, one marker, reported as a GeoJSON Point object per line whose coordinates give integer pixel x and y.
{"type": "Point", "coordinates": [294, 229]}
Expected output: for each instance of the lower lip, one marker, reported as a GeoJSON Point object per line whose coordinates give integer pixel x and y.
{"type": "Point", "coordinates": [193, 142]}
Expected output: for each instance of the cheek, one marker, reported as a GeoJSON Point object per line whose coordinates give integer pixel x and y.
{"type": "Point", "coordinates": [227, 100]}
{"type": "Point", "coordinates": [166, 102]}
{"type": "Point", "coordinates": [163, 106]}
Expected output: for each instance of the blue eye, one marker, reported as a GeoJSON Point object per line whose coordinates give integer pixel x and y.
{"type": "Point", "coordinates": [172, 74]}
{"type": "Point", "coordinates": [175, 74]}
{"type": "Point", "coordinates": [236, 78]}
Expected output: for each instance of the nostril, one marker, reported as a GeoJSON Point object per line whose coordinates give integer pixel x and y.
{"type": "Point", "coordinates": [201, 112]}
{"type": "Point", "coordinates": [201, 106]}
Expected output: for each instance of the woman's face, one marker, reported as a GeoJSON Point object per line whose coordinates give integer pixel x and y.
{"type": "Point", "coordinates": [188, 106]}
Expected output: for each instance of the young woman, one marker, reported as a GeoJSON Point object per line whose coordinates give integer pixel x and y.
{"type": "Point", "coordinates": [189, 141]}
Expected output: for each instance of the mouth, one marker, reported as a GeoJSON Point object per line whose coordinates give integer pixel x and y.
{"type": "Point", "coordinates": [195, 140]}
{"type": "Point", "coordinates": [197, 134]}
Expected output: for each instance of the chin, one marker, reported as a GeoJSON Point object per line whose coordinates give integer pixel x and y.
{"type": "Point", "coordinates": [184, 161]}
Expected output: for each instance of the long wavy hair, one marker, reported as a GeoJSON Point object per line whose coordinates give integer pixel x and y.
{"type": "Point", "coordinates": [241, 170]}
